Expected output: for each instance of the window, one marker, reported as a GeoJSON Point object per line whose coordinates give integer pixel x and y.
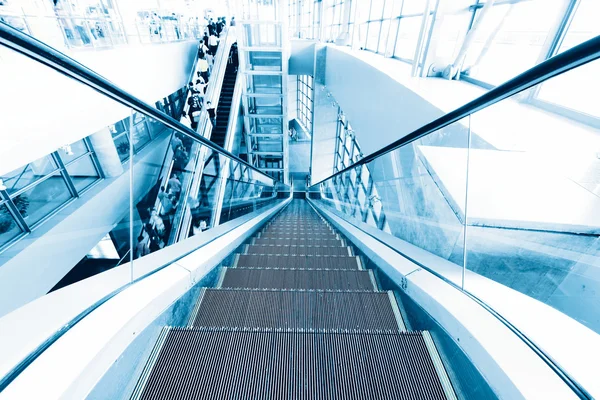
{"type": "Point", "coordinates": [79, 163]}
{"type": "Point", "coordinates": [305, 101]}
{"type": "Point", "coordinates": [263, 61]}
{"type": "Point", "coordinates": [579, 89]}
{"type": "Point", "coordinates": [265, 105]}
{"type": "Point", "coordinates": [333, 20]}
{"type": "Point", "coordinates": [9, 229]}
{"type": "Point", "coordinates": [264, 84]}
{"type": "Point", "coordinates": [511, 39]}
{"type": "Point", "coordinates": [35, 191]}
{"type": "Point", "coordinates": [347, 150]}
{"type": "Point", "coordinates": [407, 38]}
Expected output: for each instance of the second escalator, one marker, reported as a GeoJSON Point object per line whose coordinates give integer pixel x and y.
{"type": "Point", "coordinates": [219, 132]}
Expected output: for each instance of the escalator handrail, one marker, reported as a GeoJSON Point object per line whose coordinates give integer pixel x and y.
{"type": "Point", "coordinates": [30, 47]}
{"type": "Point", "coordinates": [577, 56]}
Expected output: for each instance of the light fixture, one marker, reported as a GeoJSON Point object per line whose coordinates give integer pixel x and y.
{"type": "Point", "coordinates": [2, 185]}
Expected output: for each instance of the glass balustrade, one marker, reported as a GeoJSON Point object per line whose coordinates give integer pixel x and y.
{"type": "Point", "coordinates": [90, 194]}
{"type": "Point", "coordinates": [505, 205]}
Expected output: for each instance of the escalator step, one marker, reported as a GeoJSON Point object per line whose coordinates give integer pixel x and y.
{"type": "Point", "coordinates": [298, 235]}
{"type": "Point", "coordinates": [298, 262]}
{"type": "Point", "coordinates": [300, 250]}
{"type": "Point", "coordinates": [215, 364]}
{"type": "Point", "coordinates": [276, 309]}
{"type": "Point", "coordinates": [305, 241]}
{"type": "Point", "coordinates": [298, 279]}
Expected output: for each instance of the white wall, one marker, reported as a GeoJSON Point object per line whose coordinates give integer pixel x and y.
{"type": "Point", "coordinates": [380, 108]}
{"type": "Point", "coordinates": [302, 57]}
{"type": "Point", "coordinates": [41, 110]}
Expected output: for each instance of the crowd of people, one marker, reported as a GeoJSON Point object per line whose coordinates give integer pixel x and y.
{"type": "Point", "coordinates": [207, 51]}
{"type": "Point", "coordinates": [154, 234]}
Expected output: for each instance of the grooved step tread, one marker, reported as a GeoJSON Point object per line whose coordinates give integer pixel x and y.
{"type": "Point", "coordinates": [297, 279]}
{"type": "Point", "coordinates": [274, 309]}
{"type": "Point", "coordinates": [209, 364]}
{"type": "Point", "coordinates": [304, 241]}
{"type": "Point", "coordinates": [307, 262]}
{"type": "Point", "coordinates": [299, 250]}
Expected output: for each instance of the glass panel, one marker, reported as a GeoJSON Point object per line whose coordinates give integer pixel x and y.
{"type": "Point", "coordinates": [265, 105]}
{"type": "Point", "coordinates": [373, 35]}
{"type": "Point", "coordinates": [140, 135]}
{"type": "Point", "coordinates": [262, 35]}
{"type": "Point", "coordinates": [584, 25]}
{"type": "Point", "coordinates": [511, 38]}
{"type": "Point", "coordinates": [63, 231]}
{"type": "Point", "coordinates": [413, 7]}
{"type": "Point", "coordinates": [385, 29]}
{"type": "Point", "coordinates": [83, 173]}
{"type": "Point", "coordinates": [44, 198]}
{"type": "Point", "coordinates": [362, 11]}
{"type": "Point", "coordinates": [32, 172]}
{"type": "Point", "coordinates": [122, 146]}
{"type": "Point", "coordinates": [70, 152]}
{"type": "Point", "coordinates": [360, 37]}
{"type": "Point", "coordinates": [391, 42]}
{"type": "Point", "coordinates": [263, 61]}
{"type": "Point", "coordinates": [565, 91]}
{"type": "Point", "coordinates": [181, 197]}
{"type": "Point", "coordinates": [376, 9]}
{"type": "Point", "coordinates": [9, 229]}
{"type": "Point", "coordinates": [533, 223]}
{"type": "Point", "coordinates": [561, 90]}
{"type": "Point", "coordinates": [408, 36]}
{"type": "Point", "coordinates": [407, 199]}
{"type": "Point", "coordinates": [266, 84]}
{"type": "Point", "coordinates": [390, 7]}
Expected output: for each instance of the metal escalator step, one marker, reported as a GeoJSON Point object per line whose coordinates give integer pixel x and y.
{"type": "Point", "coordinates": [304, 241]}
{"type": "Point", "coordinates": [217, 364]}
{"type": "Point", "coordinates": [299, 250]}
{"type": "Point", "coordinates": [296, 310]}
{"type": "Point", "coordinates": [301, 262]}
{"type": "Point", "coordinates": [297, 279]}
{"type": "Point", "coordinates": [299, 235]}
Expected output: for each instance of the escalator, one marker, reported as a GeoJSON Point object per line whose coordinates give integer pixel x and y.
{"type": "Point", "coordinates": [295, 315]}
{"type": "Point", "coordinates": [219, 132]}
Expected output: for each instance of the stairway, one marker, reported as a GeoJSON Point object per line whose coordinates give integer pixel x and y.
{"type": "Point", "coordinates": [219, 131]}
{"type": "Point", "coordinates": [295, 316]}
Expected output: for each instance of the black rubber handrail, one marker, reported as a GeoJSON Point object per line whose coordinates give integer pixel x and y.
{"type": "Point", "coordinates": [572, 58]}
{"type": "Point", "coordinates": [44, 54]}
